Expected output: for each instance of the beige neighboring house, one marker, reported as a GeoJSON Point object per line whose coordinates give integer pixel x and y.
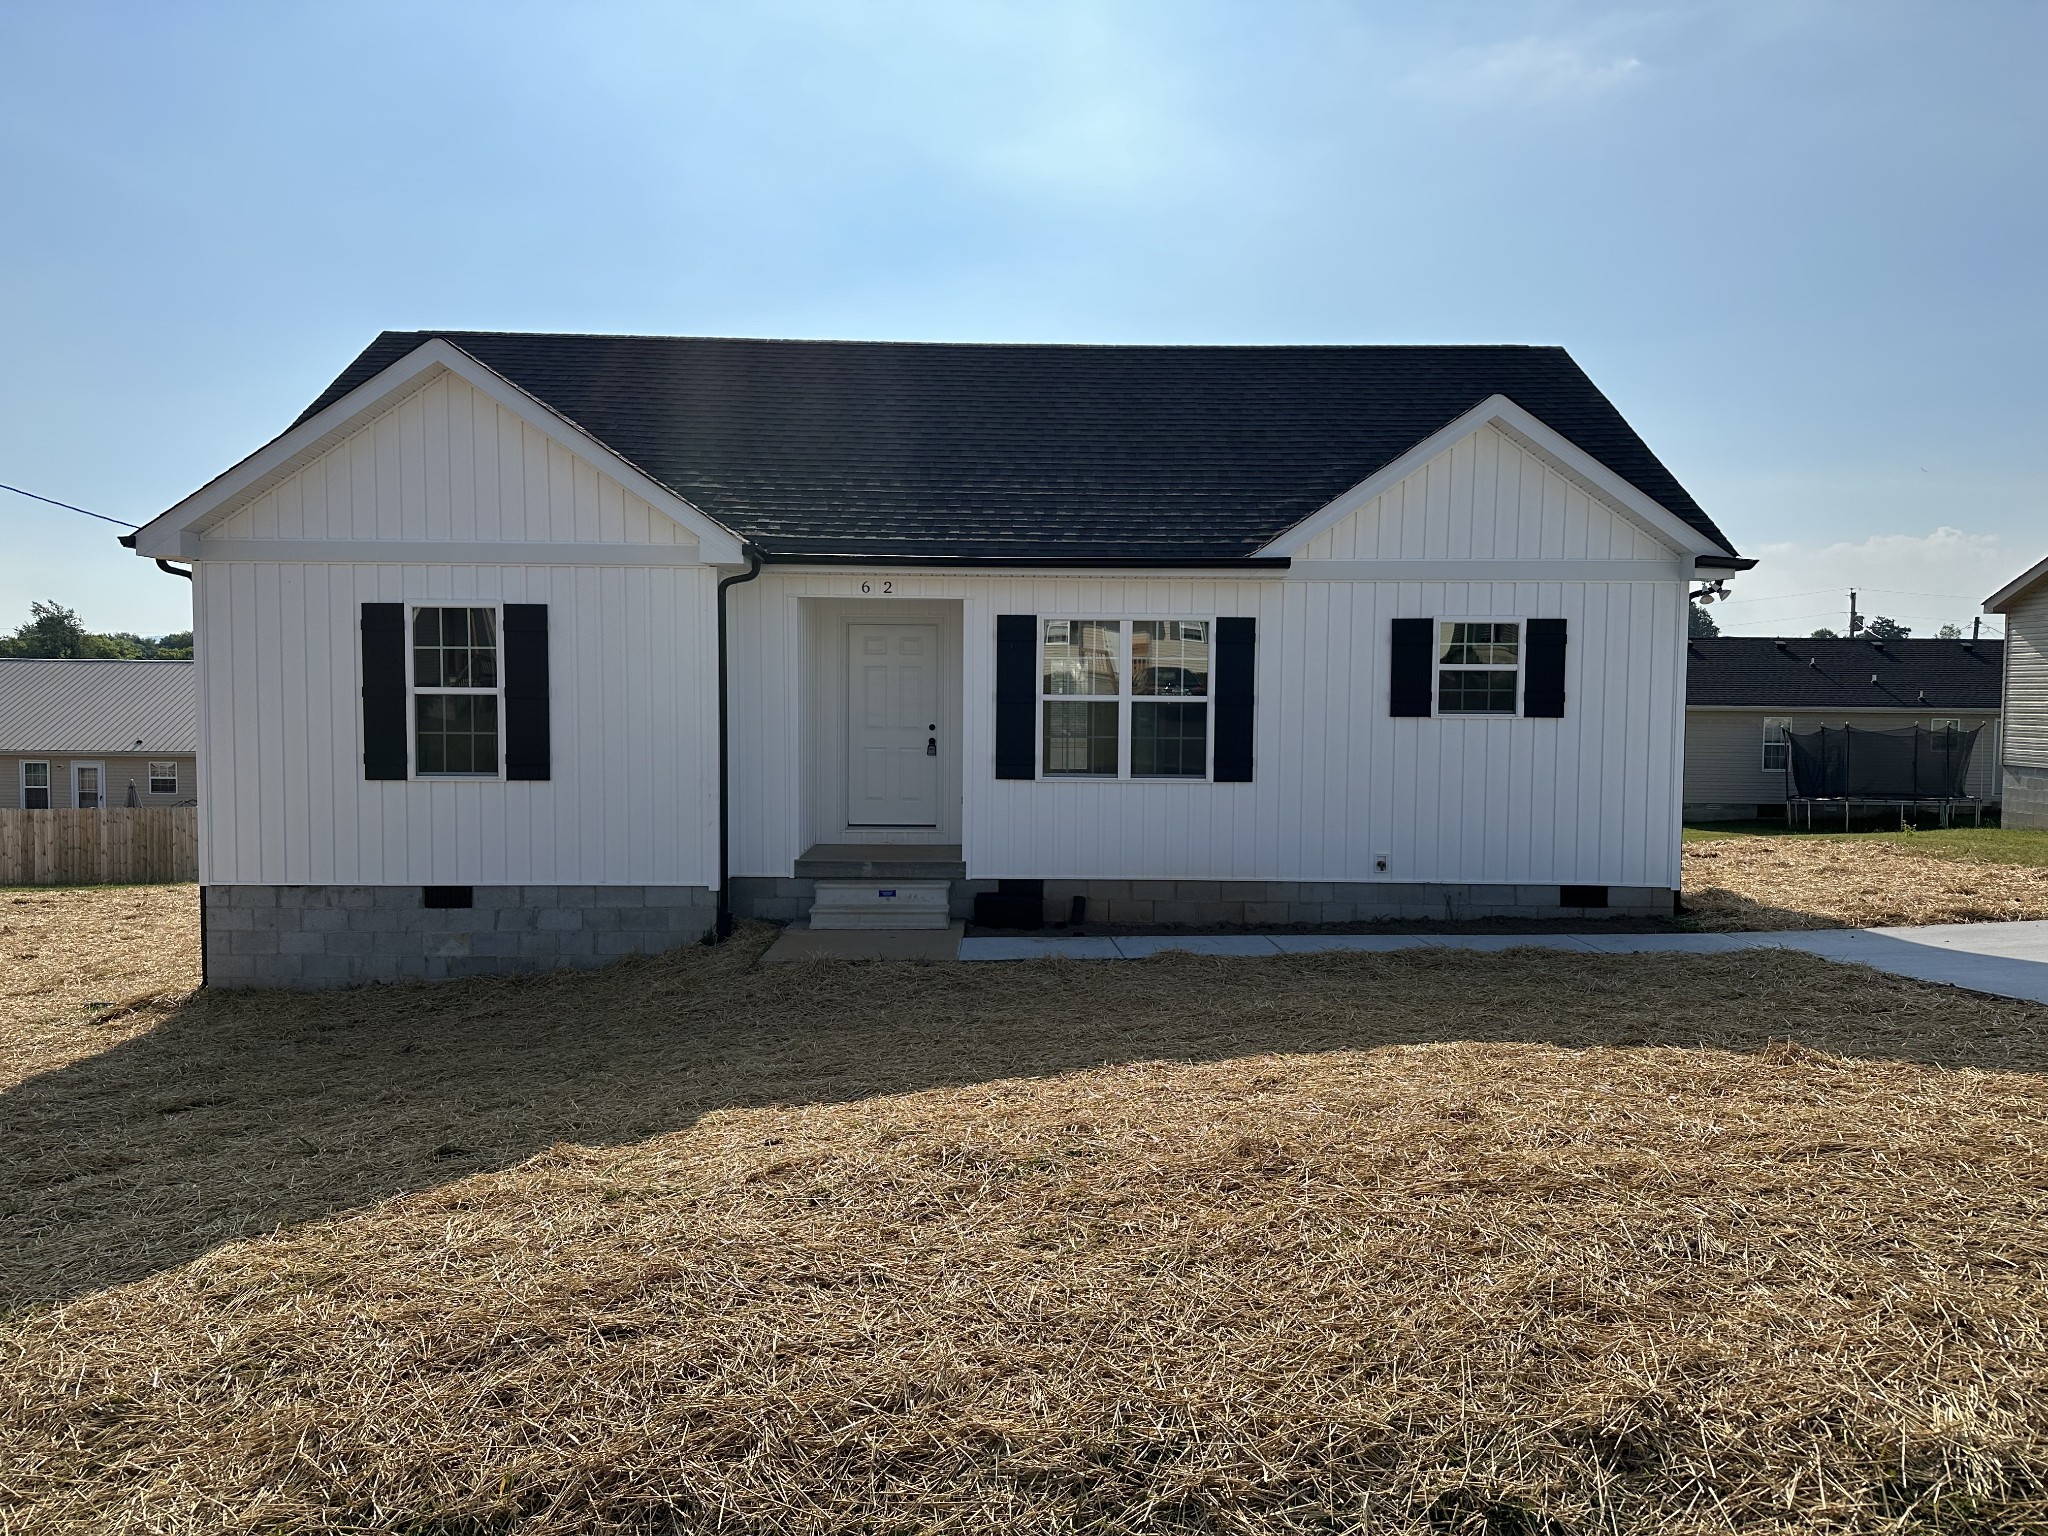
{"type": "Point", "coordinates": [86, 734]}
{"type": "Point", "coordinates": [1744, 693]}
{"type": "Point", "coordinates": [2023, 602]}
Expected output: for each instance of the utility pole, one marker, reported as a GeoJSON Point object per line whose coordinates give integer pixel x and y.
{"type": "Point", "coordinates": [1855, 623]}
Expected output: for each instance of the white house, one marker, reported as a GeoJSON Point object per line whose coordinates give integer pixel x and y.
{"type": "Point", "coordinates": [1197, 634]}
{"type": "Point", "coordinates": [2023, 602]}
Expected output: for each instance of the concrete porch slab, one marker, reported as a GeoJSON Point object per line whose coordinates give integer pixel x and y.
{"type": "Point", "coordinates": [881, 861]}
{"type": "Point", "coordinates": [929, 946]}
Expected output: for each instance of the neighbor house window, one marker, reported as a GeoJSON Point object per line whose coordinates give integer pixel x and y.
{"type": "Point", "coordinates": [163, 778]}
{"type": "Point", "coordinates": [1126, 698]}
{"type": "Point", "coordinates": [35, 786]}
{"type": "Point", "coordinates": [1776, 728]}
{"type": "Point", "coordinates": [455, 686]}
{"type": "Point", "coordinates": [1479, 667]}
{"type": "Point", "coordinates": [1944, 725]}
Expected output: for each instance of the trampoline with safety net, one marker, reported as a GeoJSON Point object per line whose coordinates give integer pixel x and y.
{"type": "Point", "coordinates": [1912, 770]}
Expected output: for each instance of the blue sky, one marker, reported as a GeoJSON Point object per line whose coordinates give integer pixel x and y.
{"type": "Point", "coordinates": [1798, 243]}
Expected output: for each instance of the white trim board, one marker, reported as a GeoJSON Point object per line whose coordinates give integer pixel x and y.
{"type": "Point", "coordinates": [1487, 570]}
{"type": "Point", "coordinates": [299, 446]}
{"type": "Point", "coordinates": [1556, 450]}
{"type": "Point", "coordinates": [193, 546]}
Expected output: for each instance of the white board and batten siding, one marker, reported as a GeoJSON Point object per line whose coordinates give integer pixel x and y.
{"type": "Point", "coordinates": [1486, 498]}
{"type": "Point", "coordinates": [448, 464]}
{"type": "Point", "coordinates": [633, 793]}
{"type": "Point", "coordinates": [1592, 798]}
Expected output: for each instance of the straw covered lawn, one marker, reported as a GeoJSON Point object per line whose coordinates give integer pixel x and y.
{"type": "Point", "coordinates": [1523, 1243]}
{"type": "Point", "coordinates": [1863, 880]}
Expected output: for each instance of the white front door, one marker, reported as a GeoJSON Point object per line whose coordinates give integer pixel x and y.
{"type": "Point", "coordinates": [85, 786]}
{"type": "Point", "coordinates": [892, 725]}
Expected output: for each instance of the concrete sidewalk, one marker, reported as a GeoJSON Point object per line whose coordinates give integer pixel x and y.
{"type": "Point", "coordinates": [2007, 959]}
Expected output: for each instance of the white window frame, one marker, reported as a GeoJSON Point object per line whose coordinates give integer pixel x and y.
{"type": "Point", "coordinates": [100, 771]}
{"type": "Point", "coordinates": [48, 786]}
{"type": "Point", "coordinates": [1783, 725]}
{"type": "Point", "coordinates": [174, 776]}
{"type": "Point", "coordinates": [1124, 699]}
{"type": "Point", "coordinates": [1436, 666]}
{"type": "Point", "coordinates": [1946, 722]}
{"type": "Point", "coordinates": [413, 691]}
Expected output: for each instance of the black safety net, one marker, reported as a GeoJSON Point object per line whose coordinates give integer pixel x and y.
{"type": "Point", "coordinates": [1849, 763]}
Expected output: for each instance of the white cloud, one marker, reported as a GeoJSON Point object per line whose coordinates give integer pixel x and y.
{"type": "Point", "coordinates": [1922, 580]}
{"type": "Point", "coordinates": [1529, 69]}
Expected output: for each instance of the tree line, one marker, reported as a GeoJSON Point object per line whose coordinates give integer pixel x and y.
{"type": "Point", "coordinates": [54, 631]}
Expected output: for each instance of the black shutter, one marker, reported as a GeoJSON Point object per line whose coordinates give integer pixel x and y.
{"type": "Point", "coordinates": [1016, 695]}
{"type": "Point", "coordinates": [1543, 671]}
{"type": "Point", "coordinates": [1409, 683]}
{"type": "Point", "coordinates": [384, 722]}
{"type": "Point", "coordinates": [1236, 667]}
{"type": "Point", "coordinates": [527, 753]}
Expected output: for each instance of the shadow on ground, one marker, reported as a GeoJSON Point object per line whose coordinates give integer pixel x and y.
{"type": "Point", "coordinates": [243, 1112]}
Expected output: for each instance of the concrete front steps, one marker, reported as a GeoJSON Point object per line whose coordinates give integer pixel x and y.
{"type": "Point", "coordinates": [893, 905]}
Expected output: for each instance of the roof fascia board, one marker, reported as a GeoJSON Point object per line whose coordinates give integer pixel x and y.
{"type": "Point", "coordinates": [293, 449]}
{"type": "Point", "coordinates": [1080, 564]}
{"type": "Point", "coordinates": [409, 552]}
{"type": "Point", "coordinates": [1490, 570]}
{"type": "Point", "coordinates": [1556, 450]}
{"type": "Point", "coordinates": [2006, 595]}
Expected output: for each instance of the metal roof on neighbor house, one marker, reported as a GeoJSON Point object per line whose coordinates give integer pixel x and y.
{"type": "Point", "coordinates": [972, 451]}
{"type": "Point", "coordinates": [98, 706]}
{"type": "Point", "coordinates": [1844, 674]}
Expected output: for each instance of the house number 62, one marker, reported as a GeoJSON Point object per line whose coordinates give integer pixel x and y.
{"type": "Point", "coordinates": [887, 587]}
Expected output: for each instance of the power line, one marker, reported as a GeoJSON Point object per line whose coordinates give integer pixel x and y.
{"type": "Point", "coordinates": [53, 501]}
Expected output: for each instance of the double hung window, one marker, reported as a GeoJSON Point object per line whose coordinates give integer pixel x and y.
{"type": "Point", "coordinates": [1479, 667]}
{"type": "Point", "coordinates": [1776, 728]}
{"type": "Point", "coordinates": [1125, 698]}
{"type": "Point", "coordinates": [1945, 725]}
{"type": "Point", "coordinates": [163, 778]}
{"type": "Point", "coordinates": [35, 786]}
{"type": "Point", "coordinates": [457, 690]}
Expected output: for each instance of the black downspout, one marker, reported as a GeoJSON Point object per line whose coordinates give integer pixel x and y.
{"type": "Point", "coordinates": [725, 752]}
{"type": "Point", "coordinates": [127, 541]}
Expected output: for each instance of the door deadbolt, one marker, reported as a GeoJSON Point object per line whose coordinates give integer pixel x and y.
{"type": "Point", "coordinates": [931, 746]}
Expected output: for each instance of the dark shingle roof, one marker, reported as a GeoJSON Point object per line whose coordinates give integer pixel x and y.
{"type": "Point", "coordinates": [1835, 674]}
{"type": "Point", "coordinates": [985, 451]}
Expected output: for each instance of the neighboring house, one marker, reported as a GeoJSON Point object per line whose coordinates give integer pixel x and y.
{"type": "Point", "coordinates": [83, 734]}
{"type": "Point", "coordinates": [1742, 694]}
{"type": "Point", "coordinates": [1199, 634]}
{"type": "Point", "coordinates": [2023, 603]}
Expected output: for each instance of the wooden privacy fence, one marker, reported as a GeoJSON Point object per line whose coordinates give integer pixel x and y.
{"type": "Point", "coordinates": [122, 845]}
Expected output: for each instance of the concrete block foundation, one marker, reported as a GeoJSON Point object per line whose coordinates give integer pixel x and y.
{"type": "Point", "coordinates": [318, 936]}
{"type": "Point", "coordinates": [2025, 797]}
{"type": "Point", "coordinates": [1166, 904]}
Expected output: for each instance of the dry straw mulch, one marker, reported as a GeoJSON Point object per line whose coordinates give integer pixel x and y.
{"type": "Point", "coordinates": [84, 966]}
{"type": "Point", "coordinates": [1751, 883]}
{"type": "Point", "coordinates": [1524, 1243]}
